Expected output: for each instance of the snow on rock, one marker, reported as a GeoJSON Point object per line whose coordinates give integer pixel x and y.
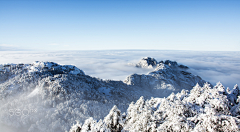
{"type": "Point", "coordinates": [201, 109]}
{"type": "Point", "coordinates": [146, 62]}
{"type": "Point", "coordinates": [53, 68]}
{"type": "Point", "coordinates": [167, 77]}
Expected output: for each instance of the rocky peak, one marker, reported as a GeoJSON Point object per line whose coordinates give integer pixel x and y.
{"type": "Point", "coordinates": [168, 77]}
{"type": "Point", "coordinates": [147, 62]}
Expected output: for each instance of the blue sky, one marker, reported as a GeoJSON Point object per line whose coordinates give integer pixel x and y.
{"type": "Point", "coordinates": [120, 24]}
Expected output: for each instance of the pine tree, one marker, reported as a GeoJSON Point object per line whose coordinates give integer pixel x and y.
{"type": "Point", "coordinates": [114, 120]}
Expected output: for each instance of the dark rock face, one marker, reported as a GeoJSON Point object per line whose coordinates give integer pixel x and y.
{"type": "Point", "coordinates": [170, 63]}
{"type": "Point", "coordinates": [182, 66]}
{"type": "Point", "coordinates": [147, 62]}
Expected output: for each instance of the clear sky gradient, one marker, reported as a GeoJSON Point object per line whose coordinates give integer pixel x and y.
{"type": "Point", "coordinates": [120, 24]}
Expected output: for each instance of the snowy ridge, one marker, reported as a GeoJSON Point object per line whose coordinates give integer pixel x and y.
{"type": "Point", "coordinates": [167, 77]}
{"type": "Point", "coordinates": [46, 96]}
{"type": "Point", "coordinates": [202, 109]}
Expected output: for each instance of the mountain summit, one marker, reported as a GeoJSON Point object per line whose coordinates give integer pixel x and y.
{"type": "Point", "coordinates": [167, 77]}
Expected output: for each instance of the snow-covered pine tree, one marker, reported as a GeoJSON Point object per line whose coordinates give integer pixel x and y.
{"type": "Point", "coordinates": [114, 120]}
{"type": "Point", "coordinates": [76, 127]}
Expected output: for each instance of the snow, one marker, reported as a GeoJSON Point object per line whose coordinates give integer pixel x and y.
{"type": "Point", "coordinates": [175, 114]}
{"type": "Point", "coordinates": [146, 62]}
{"type": "Point", "coordinates": [34, 92]}
{"type": "Point", "coordinates": [106, 91]}
{"type": "Point", "coordinates": [57, 96]}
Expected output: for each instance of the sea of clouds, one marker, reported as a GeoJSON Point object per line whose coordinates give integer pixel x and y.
{"type": "Point", "coordinates": [212, 66]}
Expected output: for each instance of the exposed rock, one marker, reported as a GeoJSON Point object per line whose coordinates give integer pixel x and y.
{"type": "Point", "coordinates": [147, 62]}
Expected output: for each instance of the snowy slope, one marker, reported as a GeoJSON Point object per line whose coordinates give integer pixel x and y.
{"type": "Point", "coordinates": [46, 96]}
{"type": "Point", "coordinates": [202, 109]}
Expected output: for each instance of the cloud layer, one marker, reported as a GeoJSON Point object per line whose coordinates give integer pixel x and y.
{"type": "Point", "coordinates": [112, 64]}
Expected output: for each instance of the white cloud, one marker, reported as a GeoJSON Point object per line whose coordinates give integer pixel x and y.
{"type": "Point", "coordinates": [211, 66]}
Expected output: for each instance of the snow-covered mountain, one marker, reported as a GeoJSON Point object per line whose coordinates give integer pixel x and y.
{"type": "Point", "coordinates": [46, 96]}
{"type": "Point", "coordinates": [167, 77]}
